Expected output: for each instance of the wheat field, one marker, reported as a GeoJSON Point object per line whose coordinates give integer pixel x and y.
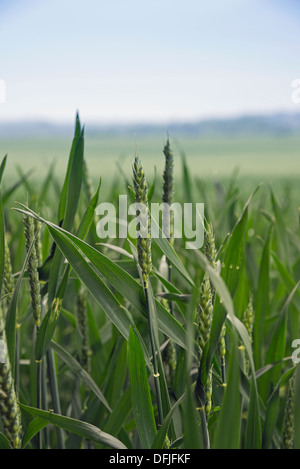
{"type": "Point", "coordinates": [140, 343]}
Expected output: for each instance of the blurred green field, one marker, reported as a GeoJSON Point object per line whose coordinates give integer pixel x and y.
{"type": "Point", "coordinates": [215, 163]}
{"type": "Point", "coordinates": [261, 158]}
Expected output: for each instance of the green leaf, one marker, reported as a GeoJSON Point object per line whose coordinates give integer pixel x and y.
{"type": "Point", "coordinates": [265, 369]}
{"type": "Point", "coordinates": [117, 373]}
{"type": "Point", "coordinates": [73, 364]}
{"type": "Point", "coordinates": [72, 198]}
{"type": "Point", "coordinates": [11, 317]}
{"type": "Point", "coordinates": [49, 321]}
{"type": "Point", "coordinates": [234, 253]}
{"type": "Point", "coordinates": [93, 282]}
{"type": "Point", "coordinates": [119, 414]}
{"type": "Point", "coordinates": [140, 392]}
{"type": "Point", "coordinates": [272, 410]}
{"type": "Point", "coordinates": [83, 429]}
{"type": "Point", "coordinates": [175, 297]}
{"type": "Point", "coordinates": [116, 248]}
{"type": "Point", "coordinates": [168, 250]}
{"type": "Point", "coordinates": [287, 279]}
{"type": "Point", "coordinates": [229, 421]}
{"type": "Point", "coordinates": [2, 167]}
{"type": "Point", "coordinates": [153, 325]}
{"type": "Point", "coordinates": [276, 348]}
{"type": "Point", "coordinates": [253, 425]}
{"type": "Point", "coordinates": [253, 438]}
{"type": "Point", "coordinates": [74, 185]}
{"type": "Point", "coordinates": [14, 187]}
{"type": "Point", "coordinates": [152, 187]}
{"type": "Point", "coordinates": [47, 329]}
{"type": "Point", "coordinates": [283, 241]}
{"type": "Point", "coordinates": [160, 437]}
{"type": "Point", "coordinates": [46, 185]}
{"type": "Point", "coordinates": [33, 428]}
{"type": "Point", "coordinates": [88, 216]}
{"type": "Point", "coordinates": [64, 192]}
{"type": "Point", "coordinates": [4, 442]}
{"type": "Point", "coordinates": [262, 301]}
{"type": "Point", "coordinates": [192, 435]}
{"type": "Point", "coordinates": [195, 437]}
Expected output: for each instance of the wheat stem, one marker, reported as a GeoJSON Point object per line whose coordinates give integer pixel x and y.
{"type": "Point", "coordinates": [288, 429]}
{"type": "Point", "coordinates": [82, 324]}
{"type": "Point", "coordinates": [145, 262]}
{"type": "Point", "coordinates": [9, 408]}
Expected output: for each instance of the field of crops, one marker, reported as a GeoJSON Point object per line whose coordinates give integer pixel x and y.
{"type": "Point", "coordinates": [140, 343]}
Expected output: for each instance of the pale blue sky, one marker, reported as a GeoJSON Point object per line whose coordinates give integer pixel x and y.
{"type": "Point", "coordinates": [158, 60]}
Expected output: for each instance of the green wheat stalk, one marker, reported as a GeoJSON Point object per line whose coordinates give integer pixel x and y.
{"type": "Point", "coordinates": [168, 190]}
{"type": "Point", "coordinates": [9, 408]}
{"type": "Point", "coordinates": [37, 243]}
{"type": "Point", "coordinates": [145, 261]}
{"type": "Point", "coordinates": [36, 302]}
{"type": "Point", "coordinates": [288, 426]}
{"type": "Point", "coordinates": [83, 329]}
{"type": "Point", "coordinates": [248, 321]}
{"type": "Point", "coordinates": [167, 198]}
{"type": "Point", "coordinates": [203, 323]}
{"type": "Point", "coordinates": [8, 280]}
{"type": "Point", "coordinates": [211, 254]}
{"type": "Point", "coordinates": [143, 228]}
{"type": "Point", "coordinates": [34, 281]}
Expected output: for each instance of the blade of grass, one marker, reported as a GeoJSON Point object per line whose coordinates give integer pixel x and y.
{"type": "Point", "coordinates": [32, 429]}
{"type": "Point", "coordinates": [64, 191]}
{"type": "Point", "coordinates": [83, 429]}
{"type": "Point", "coordinates": [272, 411]}
{"type": "Point", "coordinates": [167, 249]}
{"type": "Point", "coordinates": [276, 348]}
{"type": "Point", "coordinates": [15, 186]}
{"type": "Point", "coordinates": [75, 366]}
{"type": "Point", "coordinates": [262, 301]}
{"type": "Point", "coordinates": [2, 167]}
{"type": "Point", "coordinates": [230, 414]}
{"type": "Point", "coordinates": [72, 200]}
{"type": "Point", "coordinates": [4, 442]}
{"type": "Point", "coordinates": [140, 392]}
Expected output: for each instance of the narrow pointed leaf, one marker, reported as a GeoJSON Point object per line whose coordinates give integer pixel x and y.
{"type": "Point", "coordinates": [83, 429]}
{"type": "Point", "coordinates": [2, 167]}
{"type": "Point", "coordinates": [75, 366]}
{"type": "Point", "coordinates": [140, 392]}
